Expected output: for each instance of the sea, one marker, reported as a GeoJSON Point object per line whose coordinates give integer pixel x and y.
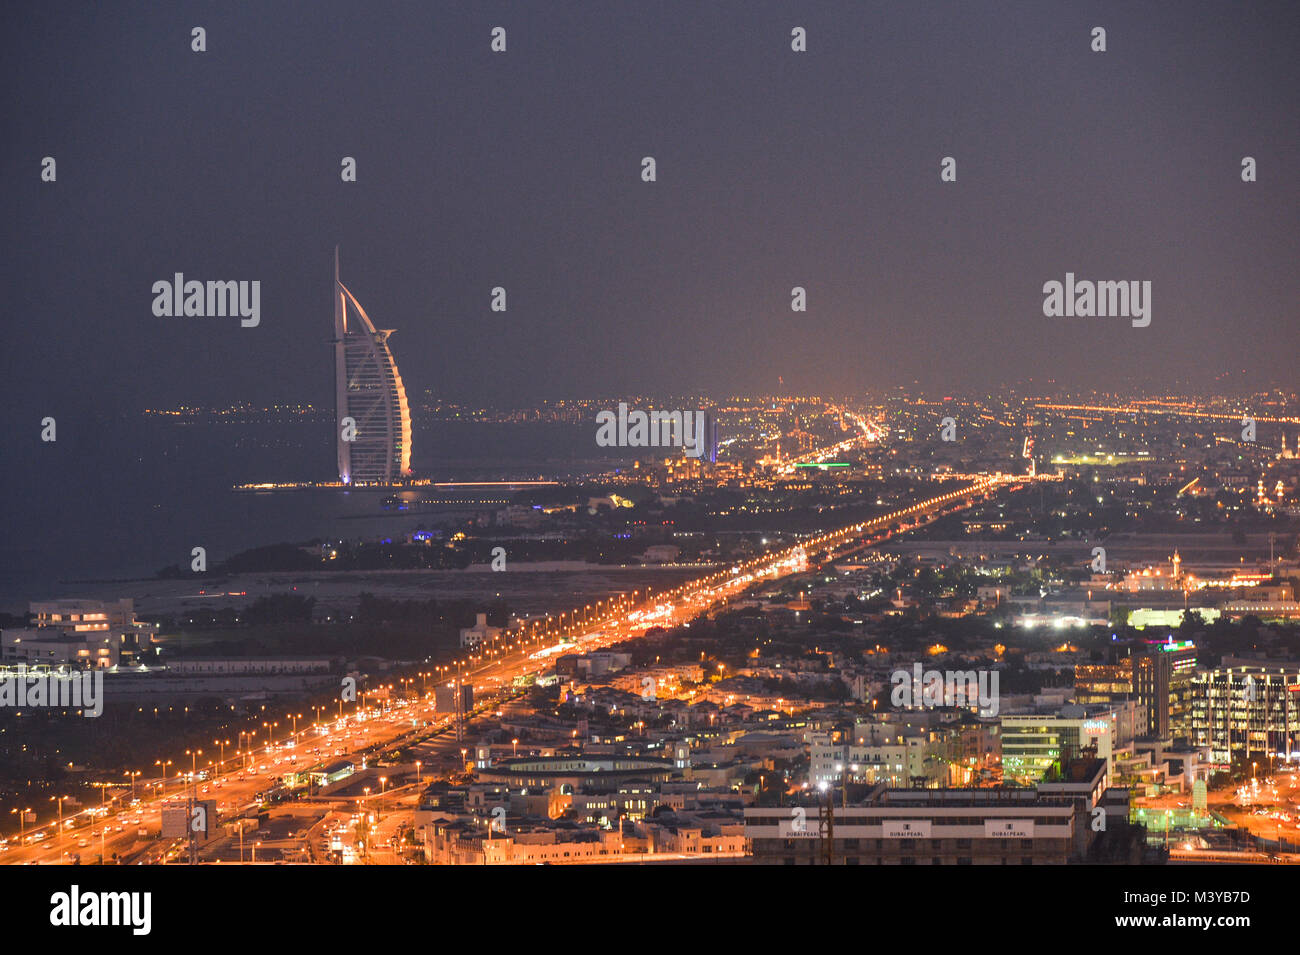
{"type": "Point", "coordinates": [119, 498]}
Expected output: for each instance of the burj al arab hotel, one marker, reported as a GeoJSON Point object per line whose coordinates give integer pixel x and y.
{"type": "Point", "coordinates": [372, 415]}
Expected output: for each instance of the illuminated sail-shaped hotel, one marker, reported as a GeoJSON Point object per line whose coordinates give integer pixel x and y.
{"type": "Point", "coordinates": [367, 389]}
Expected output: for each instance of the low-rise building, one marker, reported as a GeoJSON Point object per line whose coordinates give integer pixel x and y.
{"type": "Point", "coordinates": [1051, 824]}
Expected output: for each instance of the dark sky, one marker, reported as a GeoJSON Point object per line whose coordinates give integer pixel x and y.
{"type": "Point", "coordinates": [522, 169]}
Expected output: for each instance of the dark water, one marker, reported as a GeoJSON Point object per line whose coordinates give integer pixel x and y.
{"type": "Point", "coordinates": [121, 498]}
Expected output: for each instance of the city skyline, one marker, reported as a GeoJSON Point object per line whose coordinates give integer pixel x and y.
{"type": "Point", "coordinates": [826, 434]}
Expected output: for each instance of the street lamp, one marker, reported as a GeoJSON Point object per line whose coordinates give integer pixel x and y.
{"type": "Point", "coordinates": [824, 788]}
{"type": "Point", "coordinates": [103, 819]}
{"type": "Point", "coordinates": [60, 801]}
{"type": "Point", "coordinates": [162, 775]}
{"type": "Point", "coordinates": [194, 767]}
{"type": "Point", "coordinates": [221, 743]}
{"type": "Point", "coordinates": [22, 822]}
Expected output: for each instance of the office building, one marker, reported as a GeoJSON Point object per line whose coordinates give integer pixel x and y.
{"type": "Point", "coordinates": [1244, 710]}
{"type": "Point", "coordinates": [1050, 824]}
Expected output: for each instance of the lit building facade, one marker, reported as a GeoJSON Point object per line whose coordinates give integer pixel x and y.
{"type": "Point", "coordinates": [1240, 710]}
{"type": "Point", "coordinates": [375, 446]}
{"type": "Point", "coordinates": [87, 634]}
{"type": "Point", "coordinates": [1034, 743]}
{"type": "Point", "coordinates": [1103, 683]}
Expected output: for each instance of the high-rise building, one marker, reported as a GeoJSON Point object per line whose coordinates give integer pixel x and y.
{"type": "Point", "coordinates": [1244, 709]}
{"type": "Point", "coordinates": [1162, 681]}
{"type": "Point", "coordinates": [372, 416]}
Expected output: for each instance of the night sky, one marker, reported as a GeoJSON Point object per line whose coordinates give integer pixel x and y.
{"type": "Point", "coordinates": [522, 169]}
